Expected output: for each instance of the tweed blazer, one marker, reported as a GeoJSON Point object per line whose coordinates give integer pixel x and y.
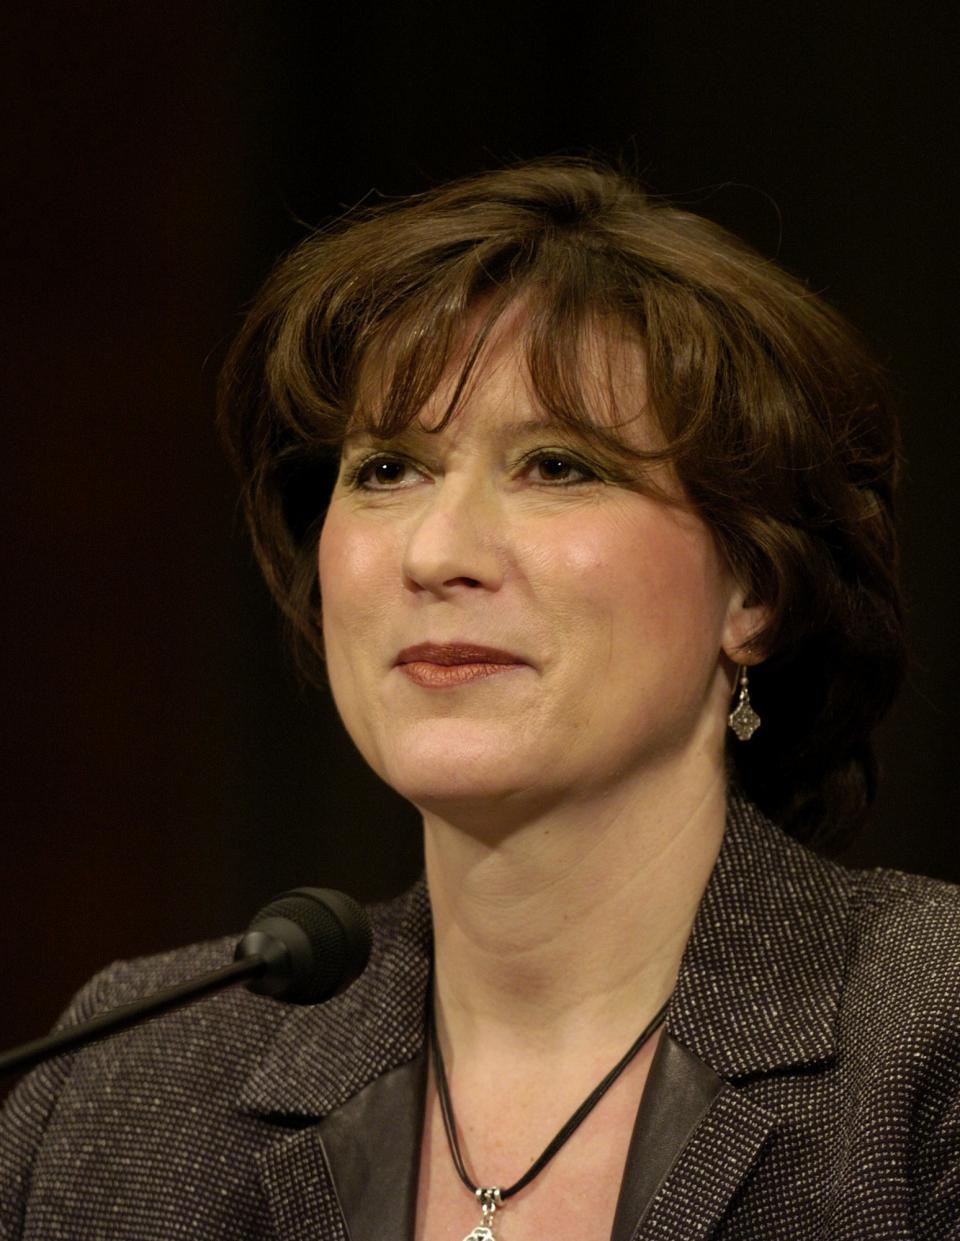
{"type": "Point", "coordinates": [807, 1085]}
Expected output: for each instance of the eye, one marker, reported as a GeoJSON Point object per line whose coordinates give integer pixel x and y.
{"type": "Point", "coordinates": [559, 469]}
{"type": "Point", "coordinates": [383, 474]}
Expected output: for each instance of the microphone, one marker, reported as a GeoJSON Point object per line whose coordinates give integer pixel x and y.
{"type": "Point", "coordinates": [305, 946]}
{"type": "Point", "coordinates": [314, 943]}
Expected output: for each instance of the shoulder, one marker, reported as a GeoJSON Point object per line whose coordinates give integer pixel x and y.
{"type": "Point", "coordinates": [234, 1015]}
{"type": "Point", "coordinates": [76, 1097]}
{"type": "Point", "coordinates": [831, 997]}
{"type": "Point", "coordinates": [902, 977]}
{"type": "Point", "coordinates": [63, 1125]}
{"type": "Point", "coordinates": [898, 1017]}
{"type": "Point", "coordinates": [902, 941]}
{"type": "Point", "coordinates": [870, 954]}
{"type": "Point", "coordinates": [898, 896]}
{"type": "Point", "coordinates": [898, 1034]}
{"type": "Point", "coordinates": [126, 980]}
{"type": "Point", "coordinates": [904, 929]}
{"type": "Point", "coordinates": [881, 920]}
{"type": "Point", "coordinates": [117, 1125]}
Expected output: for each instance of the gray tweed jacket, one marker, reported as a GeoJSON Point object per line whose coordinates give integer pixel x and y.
{"type": "Point", "coordinates": [808, 1085]}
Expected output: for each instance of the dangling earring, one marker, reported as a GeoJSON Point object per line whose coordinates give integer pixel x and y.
{"type": "Point", "coordinates": [743, 719]}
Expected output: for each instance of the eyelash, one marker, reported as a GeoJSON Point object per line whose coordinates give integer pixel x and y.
{"type": "Point", "coordinates": [356, 477]}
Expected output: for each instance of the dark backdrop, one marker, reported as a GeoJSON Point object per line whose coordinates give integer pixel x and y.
{"type": "Point", "coordinates": [162, 772]}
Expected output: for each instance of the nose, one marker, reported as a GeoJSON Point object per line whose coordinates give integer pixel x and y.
{"type": "Point", "coordinates": [456, 541]}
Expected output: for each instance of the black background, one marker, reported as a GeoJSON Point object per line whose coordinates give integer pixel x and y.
{"type": "Point", "coordinates": [162, 773]}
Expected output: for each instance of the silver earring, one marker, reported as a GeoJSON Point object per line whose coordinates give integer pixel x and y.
{"type": "Point", "coordinates": [743, 719]}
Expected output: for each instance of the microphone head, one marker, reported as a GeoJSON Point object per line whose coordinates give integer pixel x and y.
{"type": "Point", "coordinates": [314, 941]}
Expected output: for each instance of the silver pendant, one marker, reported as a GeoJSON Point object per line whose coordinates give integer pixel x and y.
{"type": "Point", "coordinates": [743, 719]}
{"type": "Point", "coordinates": [489, 1200]}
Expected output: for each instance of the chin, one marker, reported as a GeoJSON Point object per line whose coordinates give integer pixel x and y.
{"type": "Point", "coordinates": [445, 765]}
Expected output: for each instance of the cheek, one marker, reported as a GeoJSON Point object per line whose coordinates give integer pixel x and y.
{"type": "Point", "coordinates": [353, 570]}
{"type": "Point", "coordinates": [351, 562]}
{"type": "Point", "coordinates": [660, 579]}
{"type": "Point", "coordinates": [354, 576]}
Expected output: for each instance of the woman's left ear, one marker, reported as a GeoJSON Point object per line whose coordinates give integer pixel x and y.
{"type": "Point", "coordinates": [745, 619]}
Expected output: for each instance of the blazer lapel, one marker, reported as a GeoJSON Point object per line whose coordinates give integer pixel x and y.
{"type": "Point", "coordinates": [352, 1176]}
{"type": "Point", "coordinates": [372, 1146]}
{"type": "Point", "coordinates": [712, 1166]}
{"type": "Point", "coordinates": [300, 1191]}
{"type": "Point", "coordinates": [758, 992]}
{"type": "Point", "coordinates": [348, 1077]}
{"type": "Point", "coordinates": [680, 1090]}
{"type": "Point", "coordinates": [694, 1142]}
{"type": "Point", "coordinates": [760, 981]}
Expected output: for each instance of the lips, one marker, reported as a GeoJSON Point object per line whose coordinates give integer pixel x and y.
{"type": "Point", "coordinates": [449, 665]}
{"type": "Point", "coordinates": [449, 654]}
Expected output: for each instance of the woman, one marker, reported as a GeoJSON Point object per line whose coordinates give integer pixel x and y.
{"type": "Point", "coordinates": [607, 574]}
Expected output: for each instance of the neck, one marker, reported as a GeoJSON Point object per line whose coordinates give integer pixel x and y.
{"type": "Point", "coordinates": [570, 928]}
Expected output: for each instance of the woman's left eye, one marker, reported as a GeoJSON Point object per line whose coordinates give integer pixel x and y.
{"type": "Point", "coordinates": [559, 469]}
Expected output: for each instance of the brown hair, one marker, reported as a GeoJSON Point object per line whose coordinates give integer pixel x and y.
{"type": "Point", "coordinates": [774, 415]}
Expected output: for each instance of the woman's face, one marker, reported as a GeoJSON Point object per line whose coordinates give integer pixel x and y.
{"type": "Point", "coordinates": [502, 623]}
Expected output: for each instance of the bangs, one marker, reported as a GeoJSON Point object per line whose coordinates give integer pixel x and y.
{"type": "Point", "coordinates": [585, 361]}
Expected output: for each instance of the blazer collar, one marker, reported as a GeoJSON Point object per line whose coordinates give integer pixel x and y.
{"type": "Point", "coordinates": [759, 985]}
{"type": "Point", "coordinates": [325, 1054]}
{"type": "Point", "coordinates": [353, 1175]}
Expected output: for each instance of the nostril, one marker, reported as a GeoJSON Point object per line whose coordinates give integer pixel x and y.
{"type": "Point", "coordinates": [451, 583]}
{"type": "Point", "coordinates": [453, 547]}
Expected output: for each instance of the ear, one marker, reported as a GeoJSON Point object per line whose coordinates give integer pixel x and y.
{"type": "Point", "coordinates": [745, 618]}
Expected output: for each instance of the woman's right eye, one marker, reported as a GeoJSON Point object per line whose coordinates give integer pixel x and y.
{"type": "Point", "coordinates": [383, 474]}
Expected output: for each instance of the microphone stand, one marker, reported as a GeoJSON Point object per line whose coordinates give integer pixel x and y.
{"type": "Point", "coordinates": [30, 1054]}
{"type": "Point", "coordinates": [305, 946]}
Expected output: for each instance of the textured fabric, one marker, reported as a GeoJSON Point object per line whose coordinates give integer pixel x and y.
{"type": "Point", "coordinates": [826, 1001]}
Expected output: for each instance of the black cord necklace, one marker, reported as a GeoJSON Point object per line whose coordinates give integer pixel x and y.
{"type": "Point", "coordinates": [492, 1197]}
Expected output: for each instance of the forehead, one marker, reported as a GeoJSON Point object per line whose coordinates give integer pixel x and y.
{"type": "Point", "coordinates": [531, 367]}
